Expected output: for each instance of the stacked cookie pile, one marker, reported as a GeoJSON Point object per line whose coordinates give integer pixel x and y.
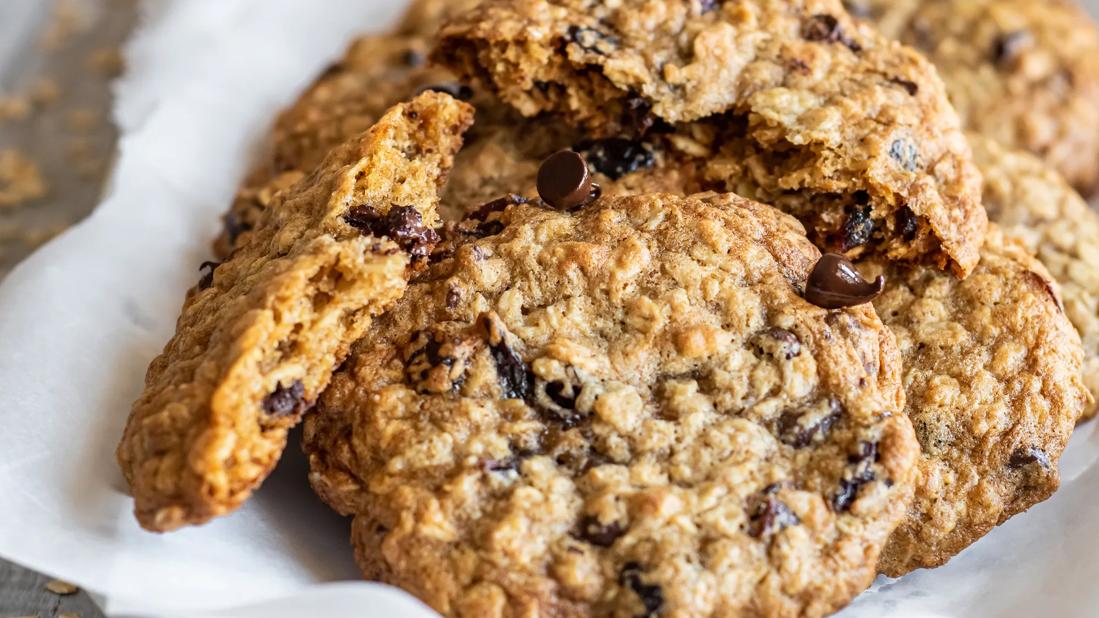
{"type": "Point", "coordinates": [654, 307]}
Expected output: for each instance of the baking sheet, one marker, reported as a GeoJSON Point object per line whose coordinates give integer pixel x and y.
{"type": "Point", "coordinates": [80, 320]}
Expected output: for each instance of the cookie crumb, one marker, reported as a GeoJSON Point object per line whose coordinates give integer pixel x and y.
{"type": "Point", "coordinates": [44, 91]}
{"type": "Point", "coordinates": [14, 107]}
{"type": "Point", "coordinates": [62, 588]}
{"type": "Point", "coordinates": [107, 61]}
{"type": "Point", "coordinates": [20, 179]}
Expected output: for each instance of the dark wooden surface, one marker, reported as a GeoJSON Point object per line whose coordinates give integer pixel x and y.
{"type": "Point", "coordinates": [24, 593]}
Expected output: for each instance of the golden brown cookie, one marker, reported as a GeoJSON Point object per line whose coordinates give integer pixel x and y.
{"type": "Point", "coordinates": [1023, 72]}
{"type": "Point", "coordinates": [1035, 205]}
{"type": "Point", "coordinates": [810, 110]}
{"type": "Point", "coordinates": [628, 410]}
{"type": "Point", "coordinates": [993, 388]}
{"type": "Point", "coordinates": [375, 73]}
{"type": "Point", "coordinates": [260, 337]}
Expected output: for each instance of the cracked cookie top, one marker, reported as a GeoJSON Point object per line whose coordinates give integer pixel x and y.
{"type": "Point", "coordinates": [629, 409]}
{"type": "Point", "coordinates": [815, 111]}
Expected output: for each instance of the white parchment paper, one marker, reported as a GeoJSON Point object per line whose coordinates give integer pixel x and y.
{"type": "Point", "coordinates": [80, 320]}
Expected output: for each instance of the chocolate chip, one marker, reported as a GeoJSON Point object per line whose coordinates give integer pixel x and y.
{"type": "Point", "coordinates": [615, 157]}
{"type": "Point", "coordinates": [1026, 456]}
{"type": "Point", "coordinates": [461, 92]}
{"type": "Point", "coordinates": [911, 87]}
{"type": "Point", "coordinates": [286, 401]}
{"type": "Point", "coordinates": [905, 154]}
{"type": "Point", "coordinates": [597, 533]}
{"type": "Point", "coordinates": [907, 224]}
{"type": "Point", "coordinates": [767, 515]}
{"type": "Point", "coordinates": [835, 284]}
{"type": "Point", "coordinates": [564, 181]}
{"type": "Point", "coordinates": [402, 224]}
{"type": "Point", "coordinates": [592, 40]}
{"type": "Point", "coordinates": [453, 297]}
{"type": "Point", "coordinates": [798, 428]}
{"type": "Point", "coordinates": [827, 29]}
{"type": "Point", "coordinates": [858, 227]}
{"type": "Point", "coordinates": [652, 597]}
{"type": "Point", "coordinates": [207, 268]}
{"type": "Point", "coordinates": [859, 472]}
{"type": "Point", "coordinates": [1009, 45]}
{"type": "Point", "coordinates": [707, 6]}
{"type": "Point", "coordinates": [513, 376]}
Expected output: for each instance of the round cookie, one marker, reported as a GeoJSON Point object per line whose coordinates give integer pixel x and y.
{"type": "Point", "coordinates": [1035, 205]}
{"type": "Point", "coordinates": [1023, 72]}
{"type": "Point", "coordinates": [812, 111]}
{"type": "Point", "coordinates": [628, 410]}
{"type": "Point", "coordinates": [993, 389]}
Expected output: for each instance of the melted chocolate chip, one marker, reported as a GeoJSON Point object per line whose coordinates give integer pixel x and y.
{"type": "Point", "coordinates": [652, 597]}
{"type": "Point", "coordinates": [767, 515]}
{"type": "Point", "coordinates": [1009, 45]}
{"type": "Point", "coordinates": [461, 92]}
{"type": "Point", "coordinates": [798, 428]}
{"type": "Point", "coordinates": [835, 284]}
{"type": "Point", "coordinates": [911, 87]}
{"type": "Point", "coordinates": [616, 157]}
{"type": "Point", "coordinates": [402, 224]}
{"type": "Point", "coordinates": [592, 40]}
{"type": "Point", "coordinates": [859, 472]}
{"type": "Point", "coordinates": [907, 224]}
{"type": "Point", "coordinates": [905, 154]}
{"type": "Point", "coordinates": [827, 29]}
{"type": "Point", "coordinates": [564, 181]}
{"type": "Point", "coordinates": [1026, 456]}
{"type": "Point", "coordinates": [286, 401]}
{"type": "Point", "coordinates": [207, 269]}
{"type": "Point", "coordinates": [599, 534]}
{"type": "Point", "coordinates": [858, 228]}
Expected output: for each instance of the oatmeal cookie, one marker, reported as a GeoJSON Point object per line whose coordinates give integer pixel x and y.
{"type": "Point", "coordinates": [424, 17]}
{"type": "Point", "coordinates": [623, 411]}
{"type": "Point", "coordinates": [1036, 206]}
{"type": "Point", "coordinates": [993, 388]}
{"type": "Point", "coordinates": [258, 339]}
{"type": "Point", "coordinates": [818, 113]}
{"type": "Point", "coordinates": [374, 74]}
{"type": "Point", "coordinates": [1024, 72]}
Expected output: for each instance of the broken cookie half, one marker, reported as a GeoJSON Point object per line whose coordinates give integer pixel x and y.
{"type": "Point", "coordinates": [793, 104]}
{"type": "Point", "coordinates": [259, 338]}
